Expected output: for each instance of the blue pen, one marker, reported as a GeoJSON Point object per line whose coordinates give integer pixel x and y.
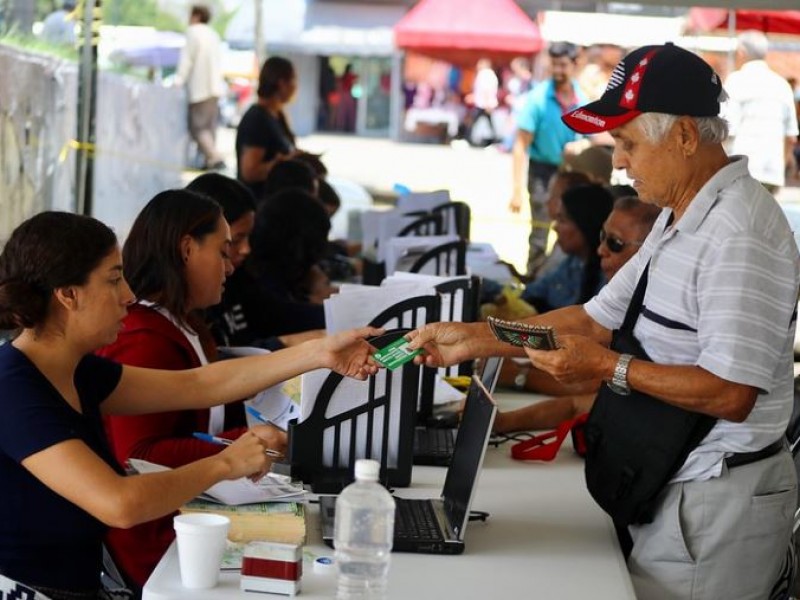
{"type": "Point", "coordinates": [207, 437]}
{"type": "Point", "coordinates": [212, 439]}
{"type": "Point", "coordinates": [257, 415]}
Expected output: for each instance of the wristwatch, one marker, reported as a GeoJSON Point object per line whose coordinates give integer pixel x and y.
{"type": "Point", "coordinates": [521, 378]}
{"type": "Point", "coordinates": [619, 381]}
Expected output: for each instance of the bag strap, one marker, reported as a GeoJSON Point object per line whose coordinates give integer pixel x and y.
{"type": "Point", "coordinates": [637, 300]}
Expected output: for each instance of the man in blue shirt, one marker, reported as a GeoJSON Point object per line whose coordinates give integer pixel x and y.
{"type": "Point", "coordinates": [541, 136]}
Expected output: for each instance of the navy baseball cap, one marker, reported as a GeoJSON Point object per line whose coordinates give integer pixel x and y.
{"type": "Point", "coordinates": [663, 79]}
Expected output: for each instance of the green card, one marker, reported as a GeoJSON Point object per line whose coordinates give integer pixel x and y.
{"type": "Point", "coordinates": [395, 354]}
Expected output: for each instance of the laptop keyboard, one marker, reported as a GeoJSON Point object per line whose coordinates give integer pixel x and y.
{"type": "Point", "coordinates": [415, 520]}
{"type": "Point", "coordinates": [433, 442]}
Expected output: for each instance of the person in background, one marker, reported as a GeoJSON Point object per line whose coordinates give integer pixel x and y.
{"type": "Point", "coordinates": [344, 118]}
{"type": "Point", "coordinates": [541, 137]}
{"type": "Point", "coordinates": [264, 137]}
{"type": "Point", "coordinates": [62, 290]}
{"type": "Point", "coordinates": [239, 319]}
{"type": "Point", "coordinates": [562, 181]}
{"type": "Point", "coordinates": [578, 277]}
{"type": "Point", "coordinates": [594, 162]}
{"type": "Point", "coordinates": [289, 240]}
{"type": "Point", "coordinates": [761, 114]}
{"type": "Point", "coordinates": [622, 235]}
{"type": "Point", "coordinates": [517, 87]}
{"type": "Point", "coordinates": [723, 272]}
{"type": "Point", "coordinates": [484, 100]}
{"type": "Point", "coordinates": [59, 26]}
{"type": "Point", "coordinates": [291, 173]}
{"type": "Point", "coordinates": [176, 260]}
{"type": "Point", "coordinates": [200, 71]}
{"type": "Point", "coordinates": [325, 91]}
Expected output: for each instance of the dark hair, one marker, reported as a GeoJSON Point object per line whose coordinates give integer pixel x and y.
{"type": "Point", "coordinates": [314, 161]}
{"type": "Point", "coordinates": [202, 12]}
{"type": "Point", "coordinates": [559, 49]}
{"type": "Point", "coordinates": [646, 214]}
{"type": "Point", "coordinates": [290, 236]}
{"type": "Point", "coordinates": [588, 206]}
{"type": "Point", "coordinates": [287, 174]}
{"type": "Point", "coordinates": [572, 178]}
{"type": "Point", "coordinates": [275, 70]}
{"type": "Point", "coordinates": [48, 251]}
{"type": "Point", "coordinates": [620, 190]}
{"type": "Point", "coordinates": [328, 195]}
{"type": "Point", "coordinates": [152, 260]}
{"type": "Point", "coordinates": [235, 198]}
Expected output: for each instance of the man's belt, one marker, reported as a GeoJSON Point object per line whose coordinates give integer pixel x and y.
{"type": "Point", "coordinates": [745, 458]}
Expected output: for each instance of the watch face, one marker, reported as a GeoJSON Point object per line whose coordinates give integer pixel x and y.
{"type": "Point", "coordinates": [520, 379]}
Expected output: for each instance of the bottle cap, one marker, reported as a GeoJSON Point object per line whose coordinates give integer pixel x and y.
{"type": "Point", "coordinates": [367, 469]}
{"type": "Point", "coordinates": [324, 565]}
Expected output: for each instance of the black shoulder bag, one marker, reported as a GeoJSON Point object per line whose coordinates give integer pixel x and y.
{"type": "Point", "coordinates": [636, 443]}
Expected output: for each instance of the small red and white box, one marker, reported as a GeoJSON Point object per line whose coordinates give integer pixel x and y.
{"type": "Point", "coordinates": [272, 568]}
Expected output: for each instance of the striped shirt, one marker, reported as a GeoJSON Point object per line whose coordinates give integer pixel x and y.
{"type": "Point", "coordinates": [721, 294]}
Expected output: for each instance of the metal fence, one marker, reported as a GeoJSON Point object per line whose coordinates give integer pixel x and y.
{"type": "Point", "coordinates": [140, 150]}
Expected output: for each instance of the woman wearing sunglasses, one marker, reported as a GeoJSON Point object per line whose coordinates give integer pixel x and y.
{"type": "Point", "coordinates": [620, 237]}
{"type": "Point", "coordinates": [623, 232]}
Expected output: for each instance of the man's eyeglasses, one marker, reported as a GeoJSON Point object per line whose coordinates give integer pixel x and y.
{"type": "Point", "coordinates": [614, 244]}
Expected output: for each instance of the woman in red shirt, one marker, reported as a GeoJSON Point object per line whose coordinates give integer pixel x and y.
{"type": "Point", "coordinates": [176, 261]}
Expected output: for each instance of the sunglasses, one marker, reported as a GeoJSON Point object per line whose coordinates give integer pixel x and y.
{"type": "Point", "coordinates": [614, 244]}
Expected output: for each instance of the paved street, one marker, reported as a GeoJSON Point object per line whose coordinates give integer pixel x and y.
{"type": "Point", "coordinates": [480, 177]}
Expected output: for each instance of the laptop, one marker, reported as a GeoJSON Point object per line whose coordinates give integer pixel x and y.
{"type": "Point", "coordinates": [437, 526]}
{"type": "Point", "coordinates": [434, 438]}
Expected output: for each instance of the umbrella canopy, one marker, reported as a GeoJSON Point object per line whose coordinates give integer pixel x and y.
{"type": "Point", "coordinates": [463, 30]}
{"type": "Point", "coordinates": [152, 49]}
{"type": "Point", "coordinates": [768, 21]}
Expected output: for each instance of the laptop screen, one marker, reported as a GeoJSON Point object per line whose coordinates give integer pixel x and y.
{"type": "Point", "coordinates": [489, 372]}
{"type": "Point", "coordinates": [470, 446]}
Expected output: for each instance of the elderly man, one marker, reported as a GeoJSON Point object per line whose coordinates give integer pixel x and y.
{"type": "Point", "coordinates": [717, 322]}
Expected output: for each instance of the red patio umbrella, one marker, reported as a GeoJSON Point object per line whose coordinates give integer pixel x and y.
{"type": "Point", "coordinates": [768, 21]}
{"type": "Point", "coordinates": [461, 31]}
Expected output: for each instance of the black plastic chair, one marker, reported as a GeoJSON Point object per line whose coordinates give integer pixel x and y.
{"type": "Point", "coordinates": [469, 291]}
{"type": "Point", "coordinates": [430, 224]}
{"type": "Point", "coordinates": [328, 475]}
{"type": "Point", "coordinates": [448, 259]}
{"type": "Point", "coordinates": [457, 213]}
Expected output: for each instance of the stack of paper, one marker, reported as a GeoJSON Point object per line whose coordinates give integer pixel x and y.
{"type": "Point", "coordinates": [422, 201]}
{"type": "Point", "coordinates": [402, 252]}
{"type": "Point", "coordinates": [271, 488]}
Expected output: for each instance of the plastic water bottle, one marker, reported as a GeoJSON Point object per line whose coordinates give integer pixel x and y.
{"type": "Point", "coordinates": [363, 532]}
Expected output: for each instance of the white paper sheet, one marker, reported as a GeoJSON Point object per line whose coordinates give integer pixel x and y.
{"type": "Point", "coordinates": [357, 308]}
{"type": "Point", "coordinates": [237, 491]}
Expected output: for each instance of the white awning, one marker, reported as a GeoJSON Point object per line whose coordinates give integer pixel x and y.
{"type": "Point", "coordinates": [627, 31]}
{"type": "Point", "coordinates": [304, 27]}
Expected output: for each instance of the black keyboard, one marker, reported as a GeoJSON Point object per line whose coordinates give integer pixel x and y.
{"type": "Point", "coordinates": [416, 520]}
{"type": "Point", "coordinates": [430, 441]}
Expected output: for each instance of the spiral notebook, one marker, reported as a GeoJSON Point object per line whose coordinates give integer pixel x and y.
{"type": "Point", "coordinates": [437, 526]}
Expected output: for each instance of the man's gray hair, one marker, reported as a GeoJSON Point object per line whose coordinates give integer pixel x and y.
{"type": "Point", "coordinates": [713, 130]}
{"type": "Point", "coordinates": [754, 44]}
